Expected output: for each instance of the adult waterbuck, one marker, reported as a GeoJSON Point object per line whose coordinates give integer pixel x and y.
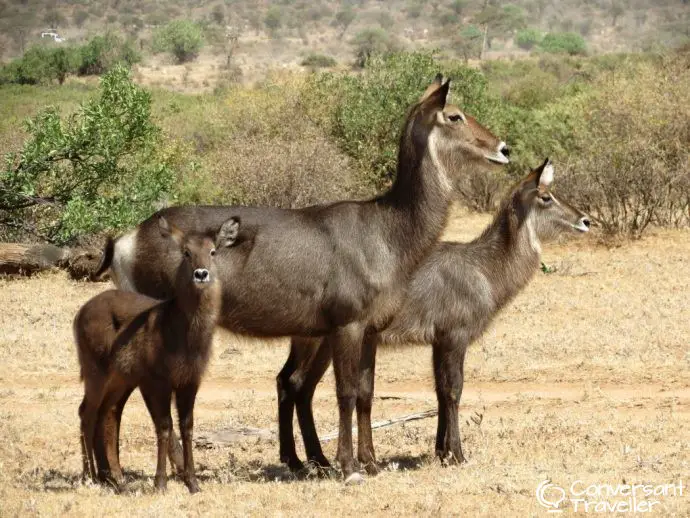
{"type": "Point", "coordinates": [451, 300]}
{"type": "Point", "coordinates": [337, 270]}
{"type": "Point", "coordinates": [127, 340]}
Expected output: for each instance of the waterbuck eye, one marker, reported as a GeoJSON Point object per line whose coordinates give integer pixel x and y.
{"type": "Point", "coordinates": [187, 253]}
{"type": "Point", "coordinates": [213, 252]}
{"type": "Point", "coordinates": [546, 198]}
{"type": "Point", "coordinates": [455, 117]}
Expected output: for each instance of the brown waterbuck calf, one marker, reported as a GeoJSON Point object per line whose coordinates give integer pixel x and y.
{"type": "Point", "coordinates": [127, 340]}
{"type": "Point", "coordinates": [338, 270]}
{"type": "Point", "coordinates": [452, 298]}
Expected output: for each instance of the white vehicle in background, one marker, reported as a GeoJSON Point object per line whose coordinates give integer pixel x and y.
{"type": "Point", "coordinates": [50, 33]}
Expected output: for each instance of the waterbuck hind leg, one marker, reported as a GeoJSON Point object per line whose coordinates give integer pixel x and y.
{"type": "Point", "coordinates": [304, 385]}
{"type": "Point", "coordinates": [286, 410]}
{"type": "Point", "coordinates": [365, 396]}
{"type": "Point", "coordinates": [452, 377]}
{"type": "Point", "coordinates": [346, 343]}
{"type": "Point", "coordinates": [110, 436]}
{"type": "Point", "coordinates": [440, 396]}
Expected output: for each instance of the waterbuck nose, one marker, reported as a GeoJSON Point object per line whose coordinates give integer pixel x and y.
{"type": "Point", "coordinates": [201, 275]}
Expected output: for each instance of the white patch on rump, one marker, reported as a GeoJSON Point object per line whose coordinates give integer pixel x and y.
{"type": "Point", "coordinates": [124, 255]}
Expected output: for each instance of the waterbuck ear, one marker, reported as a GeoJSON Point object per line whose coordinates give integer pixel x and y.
{"type": "Point", "coordinates": [435, 85]}
{"type": "Point", "coordinates": [545, 174]}
{"type": "Point", "coordinates": [168, 230]}
{"type": "Point", "coordinates": [436, 100]}
{"type": "Point", "coordinates": [228, 232]}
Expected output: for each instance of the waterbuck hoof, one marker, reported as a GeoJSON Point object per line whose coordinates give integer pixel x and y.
{"type": "Point", "coordinates": [161, 484]}
{"type": "Point", "coordinates": [294, 465]}
{"type": "Point", "coordinates": [453, 459]}
{"type": "Point", "coordinates": [371, 468]}
{"type": "Point", "coordinates": [355, 479]}
{"type": "Point", "coordinates": [193, 486]}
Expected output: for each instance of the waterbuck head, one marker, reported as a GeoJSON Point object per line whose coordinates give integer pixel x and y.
{"type": "Point", "coordinates": [198, 251]}
{"type": "Point", "coordinates": [544, 214]}
{"type": "Point", "coordinates": [451, 138]}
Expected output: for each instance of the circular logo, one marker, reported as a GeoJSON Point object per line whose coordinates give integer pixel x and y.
{"type": "Point", "coordinates": [550, 496]}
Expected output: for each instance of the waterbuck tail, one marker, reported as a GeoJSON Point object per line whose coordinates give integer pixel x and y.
{"type": "Point", "coordinates": [106, 258]}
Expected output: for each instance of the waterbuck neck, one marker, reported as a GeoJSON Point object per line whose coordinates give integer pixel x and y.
{"type": "Point", "coordinates": [421, 191]}
{"type": "Point", "coordinates": [509, 253]}
{"type": "Point", "coordinates": [196, 310]}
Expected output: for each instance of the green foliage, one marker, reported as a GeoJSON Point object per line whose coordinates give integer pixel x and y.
{"type": "Point", "coordinates": [102, 53]}
{"type": "Point", "coordinates": [274, 18]}
{"type": "Point", "coordinates": [41, 65]}
{"type": "Point", "coordinates": [181, 38]}
{"type": "Point", "coordinates": [100, 168]}
{"type": "Point", "coordinates": [564, 43]}
{"type": "Point", "coordinates": [318, 61]}
{"type": "Point", "coordinates": [344, 18]}
{"type": "Point", "coordinates": [528, 38]}
{"type": "Point", "coordinates": [468, 43]}
{"type": "Point", "coordinates": [367, 110]}
{"type": "Point", "coordinates": [372, 42]}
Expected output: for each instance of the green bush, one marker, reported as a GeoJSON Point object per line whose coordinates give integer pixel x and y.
{"type": "Point", "coordinates": [318, 61]}
{"type": "Point", "coordinates": [274, 18]}
{"type": "Point", "coordinates": [371, 42]}
{"type": "Point", "coordinates": [41, 64]}
{"type": "Point", "coordinates": [102, 53]}
{"type": "Point", "coordinates": [528, 38]}
{"type": "Point", "coordinates": [365, 112]}
{"type": "Point", "coordinates": [564, 42]}
{"type": "Point", "coordinates": [181, 38]}
{"type": "Point", "coordinates": [100, 168]}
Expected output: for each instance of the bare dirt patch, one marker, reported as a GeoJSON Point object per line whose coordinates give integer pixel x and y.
{"type": "Point", "coordinates": [585, 376]}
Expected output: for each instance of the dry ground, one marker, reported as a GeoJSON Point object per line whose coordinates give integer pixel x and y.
{"type": "Point", "coordinates": [585, 376]}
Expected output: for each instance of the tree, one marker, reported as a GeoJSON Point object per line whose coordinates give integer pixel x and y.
{"type": "Point", "coordinates": [274, 18]}
{"type": "Point", "coordinates": [563, 42]}
{"type": "Point", "coordinates": [344, 19]}
{"type": "Point", "coordinates": [504, 20]}
{"type": "Point", "coordinates": [79, 17]}
{"type": "Point", "coordinates": [458, 6]}
{"type": "Point", "coordinates": [369, 42]}
{"type": "Point", "coordinates": [54, 19]}
{"type": "Point", "coordinates": [96, 169]}
{"type": "Point", "coordinates": [616, 10]}
{"type": "Point", "coordinates": [181, 38]}
{"type": "Point", "coordinates": [469, 42]}
{"type": "Point", "coordinates": [218, 14]}
{"type": "Point", "coordinates": [528, 38]}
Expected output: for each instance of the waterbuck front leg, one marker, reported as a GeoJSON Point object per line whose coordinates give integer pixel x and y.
{"type": "Point", "coordinates": [346, 344]}
{"type": "Point", "coordinates": [449, 360]}
{"type": "Point", "coordinates": [304, 385]}
{"type": "Point", "coordinates": [286, 409]}
{"type": "Point", "coordinates": [185, 398]}
{"type": "Point", "coordinates": [365, 396]}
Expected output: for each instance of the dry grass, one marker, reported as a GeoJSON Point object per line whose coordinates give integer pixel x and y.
{"type": "Point", "coordinates": [585, 376]}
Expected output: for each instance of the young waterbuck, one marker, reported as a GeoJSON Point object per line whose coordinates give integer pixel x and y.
{"type": "Point", "coordinates": [337, 270]}
{"type": "Point", "coordinates": [127, 340]}
{"type": "Point", "coordinates": [451, 300]}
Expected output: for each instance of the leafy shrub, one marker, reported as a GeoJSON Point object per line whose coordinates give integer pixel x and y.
{"type": "Point", "coordinates": [102, 53]}
{"type": "Point", "coordinates": [274, 18]}
{"type": "Point", "coordinates": [563, 42]}
{"type": "Point", "coordinates": [469, 42]}
{"type": "Point", "coordinates": [370, 42]}
{"type": "Point", "coordinates": [365, 112]}
{"type": "Point", "coordinates": [181, 38]}
{"type": "Point", "coordinates": [318, 61]}
{"type": "Point", "coordinates": [101, 168]}
{"type": "Point", "coordinates": [79, 17]}
{"type": "Point", "coordinates": [631, 171]}
{"type": "Point", "coordinates": [528, 38]}
{"type": "Point", "coordinates": [41, 64]}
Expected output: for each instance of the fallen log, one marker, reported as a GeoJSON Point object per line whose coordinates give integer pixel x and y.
{"type": "Point", "coordinates": [27, 259]}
